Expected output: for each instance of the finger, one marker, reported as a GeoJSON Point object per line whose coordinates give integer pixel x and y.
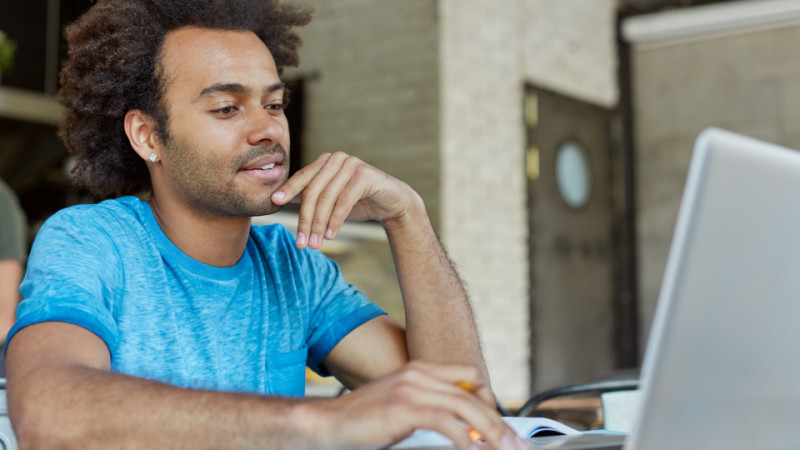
{"type": "Point", "coordinates": [315, 187]}
{"type": "Point", "coordinates": [465, 407]}
{"type": "Point", "coordinates": [329, 196]}
{"type": "Point", "coordinates": [436, 377]}
{"type": "Point", "coordinates": [445, 424]}
{"type": "Point", "coordinates": [486, 394]}
{"type": "Point", "coordinates": [355, 190]}
{"type": "Point", "coordinates": [484, 422]}
{"type": "Point", "coordinates": [293, 187]}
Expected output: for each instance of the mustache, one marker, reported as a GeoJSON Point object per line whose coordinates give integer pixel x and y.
{"type": "Point", "coordinates": [257, 152]}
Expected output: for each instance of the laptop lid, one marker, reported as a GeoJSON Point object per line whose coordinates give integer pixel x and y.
{"type": "Point", "coordinates": [722, 365]}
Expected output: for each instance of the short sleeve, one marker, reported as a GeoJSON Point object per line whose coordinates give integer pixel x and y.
{"type": "Point", "coordinates": [337, 308]}
{"type": "Point", "coordinates": [73, 275]}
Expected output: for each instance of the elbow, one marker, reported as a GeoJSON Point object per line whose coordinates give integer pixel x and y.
{"type": "Point", "coordinates": [35, 428]}
{"type": "Point", "coordinates": [28, 435]}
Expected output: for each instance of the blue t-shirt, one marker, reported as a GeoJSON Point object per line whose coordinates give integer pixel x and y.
{"type": "Point", "coordinates": [252, 327]}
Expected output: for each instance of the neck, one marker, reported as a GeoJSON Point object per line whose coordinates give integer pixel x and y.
{"type": "Point", "coordinates": [213, 240]}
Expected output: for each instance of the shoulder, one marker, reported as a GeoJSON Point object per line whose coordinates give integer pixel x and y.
{"type": "Point", "coordinates": [109, 221]}
{"type": "Point", "coordinates": [118, 211]}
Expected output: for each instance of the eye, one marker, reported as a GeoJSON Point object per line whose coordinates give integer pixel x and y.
{"type": "Point", "coordinates": [225, 110]}
{"type": "Point", "coordinates": [275, 107]}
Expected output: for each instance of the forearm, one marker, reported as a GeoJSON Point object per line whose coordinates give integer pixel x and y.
{"type": "Point", "coordinates": [93, 408]}
{"type": "Point", "coordinates": [439, 322]}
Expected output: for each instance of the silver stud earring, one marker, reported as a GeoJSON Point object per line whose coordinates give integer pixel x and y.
{"type": "Point", "coordinates": [153, 157]}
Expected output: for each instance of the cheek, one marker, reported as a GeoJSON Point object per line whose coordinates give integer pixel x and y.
{"type": "Point", "coordinates": [209, 141]}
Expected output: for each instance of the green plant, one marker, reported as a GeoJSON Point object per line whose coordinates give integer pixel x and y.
{"type": "Point", "coordinates": [7, 49]}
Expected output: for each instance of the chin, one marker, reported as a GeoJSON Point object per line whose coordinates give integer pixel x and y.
{"type": "Point", "coordinates": [247, 208]}
{"type": "Point", "coordinates": [271, 209]}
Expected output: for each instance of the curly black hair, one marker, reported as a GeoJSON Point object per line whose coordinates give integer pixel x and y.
{"type": "Point", "coordinates": [113, 66]}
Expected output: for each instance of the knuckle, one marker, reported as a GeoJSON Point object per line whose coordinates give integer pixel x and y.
{"type": "Point", "coordinates": [317, 224]}
{"type": "Point", "coordinates": [354, 162]}
{"type": "Point", "coordinates": [413, 371]}
{"type": "Point", "coordinates": [405, 389]}
{"type": "Point", "coordinates": [474, 372]}
{"type": "Point", "coordinates": [326, 196]}
{"type": "Point", "coordinates": [303, 222]}
{"type": "Point", "coordinates": [309, 195]}
{"type": "Point", "coordinates": [400, 395]}
{"type": "Point", "coordinates": [345, 200]}
{"type": "Point", "coordinates": [441, 418]}
{"type": "Point", "coordinates": [363, 172]}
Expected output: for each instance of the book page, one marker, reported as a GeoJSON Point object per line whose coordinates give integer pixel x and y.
{"type": "Point", "coordinates": [525, 427]}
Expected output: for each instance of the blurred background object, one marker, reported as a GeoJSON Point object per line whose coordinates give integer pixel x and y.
{"type": "Point", "coordinates": [13, 253]}
{"type": "Point", "coordinates": [8, 47]}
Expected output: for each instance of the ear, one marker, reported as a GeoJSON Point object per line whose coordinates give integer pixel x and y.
{"type": "Point", "coordinates": [140, 129]}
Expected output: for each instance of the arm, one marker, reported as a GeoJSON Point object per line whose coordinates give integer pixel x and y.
{"type": "Point", "coordinates": [439, 321]}
{"type": "Point", "coordinates": [62, 394]}
{"type": "Point", "coordinates": [10, 277]}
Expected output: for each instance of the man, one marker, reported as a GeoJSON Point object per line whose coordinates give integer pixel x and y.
{"type": "Point", "coordinates": [12, 255]}
{"type": "Point", "coordinates": [172, 322]}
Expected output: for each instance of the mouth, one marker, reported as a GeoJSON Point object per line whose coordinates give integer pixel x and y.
{"type": "Point", "coordinates": [263, 165]}
{"type": "Point", "coordinates": [267, 169]}
{"type": "Point", "coordinates": [263, 161]}
{"type": "Point", "coordinates": [266, 163]}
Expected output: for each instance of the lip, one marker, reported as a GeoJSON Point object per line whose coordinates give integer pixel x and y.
{"type": "Point", "coordinates": [263, 161]}
{"type": "Point", "coordinates": [254, 172]}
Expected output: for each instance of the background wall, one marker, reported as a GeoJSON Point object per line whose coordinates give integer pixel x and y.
{"type": "Point", "coordinates": [569, 46]}
{"type": "Point", "coordinates": [730, 65]}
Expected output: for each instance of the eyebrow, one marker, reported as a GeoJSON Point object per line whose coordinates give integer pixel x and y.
{"type": "Point", "coordinates": [237, 88]}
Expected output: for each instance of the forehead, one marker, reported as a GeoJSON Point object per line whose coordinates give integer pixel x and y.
{"type": "Point", "coordinates": [195, 58]}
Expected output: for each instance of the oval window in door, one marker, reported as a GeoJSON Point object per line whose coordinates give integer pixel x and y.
{"type": "Point", "coordinates": [573, 175]}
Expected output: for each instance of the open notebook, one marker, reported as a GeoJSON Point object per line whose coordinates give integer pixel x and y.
{"type": "Point", "coordinates": [528, 427]}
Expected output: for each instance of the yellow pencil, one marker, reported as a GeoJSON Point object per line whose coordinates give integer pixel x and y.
{"type": "Point", "coordinates": [469, 387]}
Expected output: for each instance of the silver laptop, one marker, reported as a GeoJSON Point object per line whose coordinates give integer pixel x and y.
{"type": "Point", "coordinates": [722, 365]}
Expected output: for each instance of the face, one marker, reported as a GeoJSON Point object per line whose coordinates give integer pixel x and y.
{"type": "Point", "coordinates": [227, 143]}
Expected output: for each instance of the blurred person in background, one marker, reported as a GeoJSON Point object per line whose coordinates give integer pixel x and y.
{"type": "Point", "coordinates": [13, 250]}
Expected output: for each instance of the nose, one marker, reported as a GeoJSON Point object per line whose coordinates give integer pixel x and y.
{"type": "Point", "coordinates": [266, 129]}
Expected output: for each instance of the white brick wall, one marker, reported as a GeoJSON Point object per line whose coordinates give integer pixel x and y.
{"type": "Point", "coordinates": [569, 46]}
{"type": "Point", "coordinates": [484, 219]}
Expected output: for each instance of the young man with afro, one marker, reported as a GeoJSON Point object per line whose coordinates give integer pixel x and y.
{"type": "Point", "coordinates": [161, 318]}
